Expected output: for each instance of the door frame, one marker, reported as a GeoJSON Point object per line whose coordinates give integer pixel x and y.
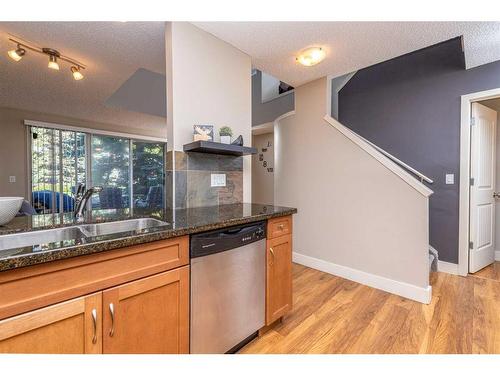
{"type": "Point", "coordinates": [465, 148]}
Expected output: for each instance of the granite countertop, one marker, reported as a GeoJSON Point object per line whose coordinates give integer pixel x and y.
{"type": "Point", "coordinates": [178, 223]}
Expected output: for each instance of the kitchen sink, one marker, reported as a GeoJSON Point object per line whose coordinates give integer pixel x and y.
{"type": "Point", "coordinates": [102, 229]}
{"type": "Point", "coordinates": [41, 237]}
{"type": "Point", "coordinates": [11, 241]}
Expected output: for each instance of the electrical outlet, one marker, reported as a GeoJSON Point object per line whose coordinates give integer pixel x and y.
{"type": "Point", "coordinates": [12, 179]}
{"type": "Point", "coordinates": [450, 179]}
{"type": "Point", "coordinates": [217, 180]}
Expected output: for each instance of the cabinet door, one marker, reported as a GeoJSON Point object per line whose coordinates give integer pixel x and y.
{"type": "Point", "coordinates": [150, 315]}
{"type": "Point", "coordinates": [279, 278]}
{"type": "Point", "coordinates": [69, 327]}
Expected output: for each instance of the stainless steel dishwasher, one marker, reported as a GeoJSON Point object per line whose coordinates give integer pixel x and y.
{"type": "Point", "coordinates": [228, 274]}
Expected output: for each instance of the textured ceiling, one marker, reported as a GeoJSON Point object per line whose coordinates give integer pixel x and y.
{"type": "Point", "coordinates": [350, 46]}
{"type": "Point", "coordinates": [112, 52]}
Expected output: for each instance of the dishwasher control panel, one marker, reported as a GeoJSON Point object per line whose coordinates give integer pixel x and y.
{"type": "Point", "coordinates": [212, 242]}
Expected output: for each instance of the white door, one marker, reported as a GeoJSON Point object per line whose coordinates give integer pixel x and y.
{"type": "Point", "coordinates": [482, 202]}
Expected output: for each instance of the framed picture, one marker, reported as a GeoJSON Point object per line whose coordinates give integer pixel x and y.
{"type": "Point", "coordinates": [203, 133]}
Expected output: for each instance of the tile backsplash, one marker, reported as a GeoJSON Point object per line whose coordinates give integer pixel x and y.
{"type": "Point", "coordinates": [193, 183]}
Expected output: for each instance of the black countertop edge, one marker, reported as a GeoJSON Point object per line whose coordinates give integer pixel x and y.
{"type": "Point", "coordinates": [30, 259]}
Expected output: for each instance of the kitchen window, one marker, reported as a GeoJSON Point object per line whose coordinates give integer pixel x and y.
{"type": "Point", "coordinates": [131, 171]}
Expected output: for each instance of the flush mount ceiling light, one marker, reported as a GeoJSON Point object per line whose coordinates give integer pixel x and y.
{"type": "Point", "coordinates": [54, 56]}
{"type": "Point", "coordinates": [311, 56]}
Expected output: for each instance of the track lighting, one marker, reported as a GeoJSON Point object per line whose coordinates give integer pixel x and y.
{"type": "Point", "coordinates": [17, 54]}
{"type": "Point", "coordinates": [77, 75]}
{"type": "Point", "coordinates": [53, 63]}
{"type": "Point", "coordinates": [54, 57]}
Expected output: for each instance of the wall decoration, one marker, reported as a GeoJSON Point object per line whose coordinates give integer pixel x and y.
{"type": "Point", "coordinates": [265, 156]}
{"type": "Point", "coordinates": [203, 133]}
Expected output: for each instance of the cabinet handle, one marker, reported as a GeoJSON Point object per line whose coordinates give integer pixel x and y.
{"type": "Point", "coordinates": [112, 311]}
{"type": "Point", "coordinates": [272, 253]}
{"type": "Point", "coordinates": [94, 324]}
{"type": "Point", "coordinates": [281, 226]}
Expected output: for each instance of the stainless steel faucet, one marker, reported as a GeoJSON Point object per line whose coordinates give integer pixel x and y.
{"type": "Point", "coordinates": [82, 196]}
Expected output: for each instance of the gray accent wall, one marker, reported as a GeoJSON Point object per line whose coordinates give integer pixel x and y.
{"type": "Point", "coordinates": [271, 110]}
{"type": "Point", "coordinates": [410, 107]}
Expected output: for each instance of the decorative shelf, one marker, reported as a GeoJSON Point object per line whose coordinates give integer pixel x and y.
{"type": "Point", "coordinates": [218, 148]}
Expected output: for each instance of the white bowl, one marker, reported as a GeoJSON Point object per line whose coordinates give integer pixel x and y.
{"type": "Point", "coordinates": [9, 207]}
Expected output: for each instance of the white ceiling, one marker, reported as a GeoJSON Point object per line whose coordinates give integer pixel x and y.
{"type": "Point", "coordinates": [350, 46]}
{"type": "Point", "coordinates": [112, 52]}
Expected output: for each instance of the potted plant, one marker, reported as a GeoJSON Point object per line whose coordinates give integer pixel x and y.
{"type": "Point", "coordinates": [225, 134]}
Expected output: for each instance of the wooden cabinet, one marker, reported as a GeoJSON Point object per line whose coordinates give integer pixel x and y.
{"type": "Point", "coordinates": [146, 287]}
{"type": "Point", "coordinates": [69, 327]}
{"type": "Point", "coordinates": [150, 315]}
{"type": "Point", "coordinates": [278, 273]}
{"type": "Point", "coordinates": [29, 288]}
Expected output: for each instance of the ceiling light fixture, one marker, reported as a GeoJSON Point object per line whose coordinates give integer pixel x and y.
{"type": "Point", "coordinates": [17, 54]}
{"type": "Point", "coordinates": [54, 57]}
{"type": "Point", "coordinates": [77, 75]}
{"type": "Point", "coordinates": [311, 56]}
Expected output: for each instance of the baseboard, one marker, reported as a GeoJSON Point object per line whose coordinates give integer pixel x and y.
{"type": "Point", "coordinates": [448, 267]}
{"type": "Point", "coordinates": [497, 255]}
{"type": "Point", "coordinates": [388, 285]}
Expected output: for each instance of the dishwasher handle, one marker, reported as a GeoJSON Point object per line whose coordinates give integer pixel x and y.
{"type": "Point", "coordinates": [234, 230]}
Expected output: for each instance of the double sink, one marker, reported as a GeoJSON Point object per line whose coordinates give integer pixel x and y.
{"type": "Point", "coordinates": [76, 232]}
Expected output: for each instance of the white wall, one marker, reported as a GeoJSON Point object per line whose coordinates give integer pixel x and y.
{"type": "Point", "coordinates": [208, 82]}
{"type": "Point", "coordinates": [262, 179]}
{"type": "Point", "coordinates": [355, 216]}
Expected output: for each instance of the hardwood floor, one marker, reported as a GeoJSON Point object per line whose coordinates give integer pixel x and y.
{"type": "Point", "coordinates": [334, 315]}
{"type": "Point", "coordinates": [491, 272]}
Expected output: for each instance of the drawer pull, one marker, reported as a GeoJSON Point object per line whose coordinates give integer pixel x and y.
{"type": "Point", "coordinates": [281, 226]}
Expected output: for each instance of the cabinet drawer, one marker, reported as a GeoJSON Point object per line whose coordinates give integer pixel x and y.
{"type": "Point", "coordinates": [37, 286]}
{"type": "Point", "coordinates": [279, 226]}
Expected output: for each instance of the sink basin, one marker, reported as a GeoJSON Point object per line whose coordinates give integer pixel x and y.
{"type": "Point", "coordinates": [10, 241]}
{"type": "Point", "coordinates": [42, 237]}
{"type": "Point", "coordinates": [92, 230]}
